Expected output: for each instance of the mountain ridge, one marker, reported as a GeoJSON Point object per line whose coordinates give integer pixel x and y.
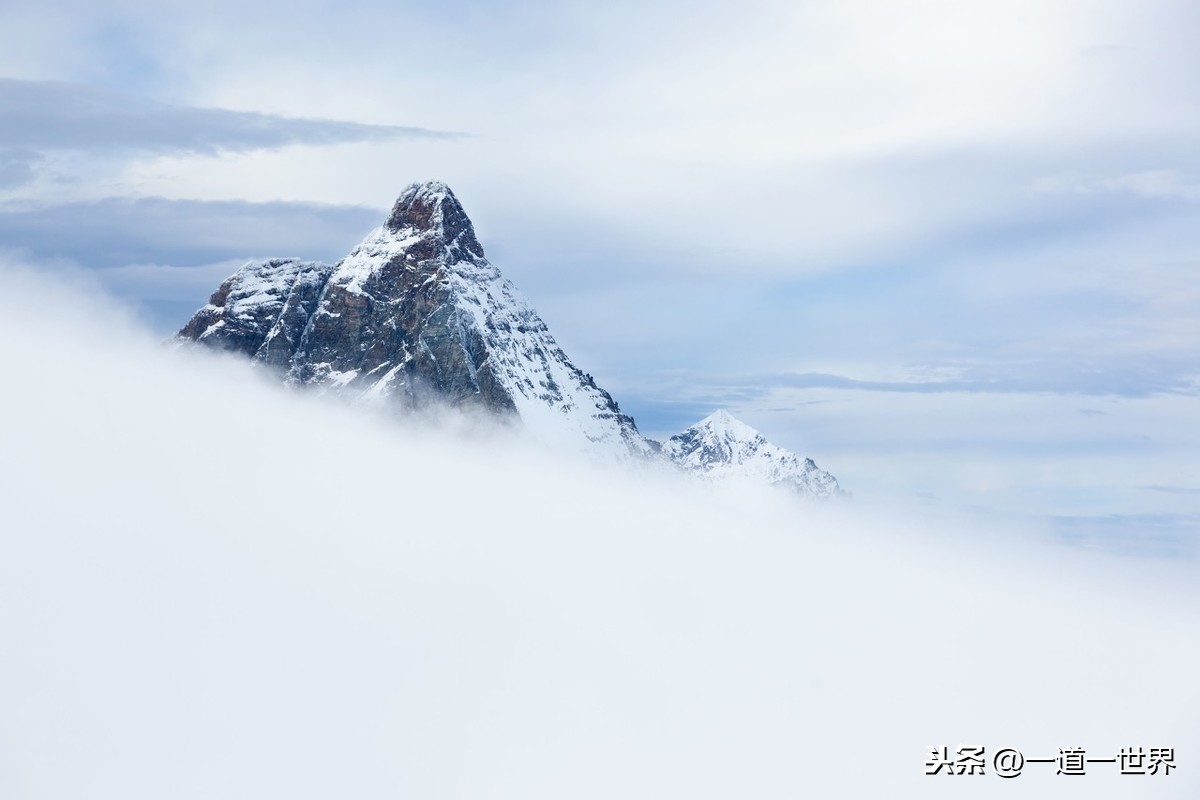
{"type": "Point", "coordinates": [416, 315]}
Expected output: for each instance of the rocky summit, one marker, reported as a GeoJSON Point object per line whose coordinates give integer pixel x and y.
{"type": "Point", "coordinates": [416, 316]}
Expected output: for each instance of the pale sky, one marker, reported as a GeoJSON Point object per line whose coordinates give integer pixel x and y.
{"type": "Point", "coordinates": [948, 249]}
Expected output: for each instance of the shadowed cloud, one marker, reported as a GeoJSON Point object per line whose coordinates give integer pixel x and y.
{"type": "Point", "coordinates": [16, 167]}
{"type": "Point", "coordinates": [48, 115]}
{"type": "Point", "coordinates": [155, 230]}
{"type": "Point", "coordinates": [1057, 379]}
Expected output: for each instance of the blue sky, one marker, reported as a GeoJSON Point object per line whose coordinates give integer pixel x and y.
{"type": "Point", "coordinates": [949, 250]}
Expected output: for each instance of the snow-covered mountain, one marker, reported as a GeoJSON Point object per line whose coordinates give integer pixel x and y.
{"type": "Point", "coordinates": [720, 446]}
{"type": "Point", "coordinates": [415, 315]}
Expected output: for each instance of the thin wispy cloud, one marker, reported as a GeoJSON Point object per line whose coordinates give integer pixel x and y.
{"type": "Point", "coordinates": [45, 115]}
{"type": "Point", "coordinates": [48, 116]}
{"type": "Point", "coordinates": [17, 166]}
{"type": "Point", "coordinates": [1157, 184]}
{"type": "Point", "coordinates": [157, 230]}
{"type": "Point", "coordinates": [1175, 489]}
{"type": "Point", "coordinates": [1096, 380]}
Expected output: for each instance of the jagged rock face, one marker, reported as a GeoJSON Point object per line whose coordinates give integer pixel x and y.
{"type": "Point", "coordinates": [262, 310]}
{"type": "Point", "coordinates": [414, 315]}
{"type": "Point", "coordinates": [720, 446]}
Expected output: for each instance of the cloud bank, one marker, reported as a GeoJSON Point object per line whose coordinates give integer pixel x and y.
{"type": "Point", "coordinates": [211, 587]}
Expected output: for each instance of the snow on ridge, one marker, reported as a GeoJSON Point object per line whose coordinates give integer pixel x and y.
{"type": "Point", "coordinates": [724, 425]}
{"type": "Point", "coordinates": [430, 191]}
{"type": "Point", "coordinates": [429, 242]}
{"type": "Point", "coordinates": [253, 300]}
{"type": "Point", "coordinates": [555, 400]}
{"type": "Point", "coordinates": [266, 281]}
{"type": "Point", "coordinates": [378, 248]}
{"type": "Point", "coordinates": [418, 215]}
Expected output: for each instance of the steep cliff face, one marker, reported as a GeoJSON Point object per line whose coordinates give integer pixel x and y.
{"type": "Point", "coordinates": [262, 310]}
{"type": "Point", "coordinates": [415, 314]}
{"type": "Point", "coordinates": [720, 447]}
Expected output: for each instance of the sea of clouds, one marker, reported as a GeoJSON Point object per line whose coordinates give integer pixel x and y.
{"type": "Point", "coordinates": [212, 587]}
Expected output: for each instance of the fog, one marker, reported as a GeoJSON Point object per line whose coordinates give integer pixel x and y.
{"type": "Point", "coordinates": [211, 587]}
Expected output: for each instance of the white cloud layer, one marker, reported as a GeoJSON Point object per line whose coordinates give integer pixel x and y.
{"type": "Point", "coordinates": [209, 587]}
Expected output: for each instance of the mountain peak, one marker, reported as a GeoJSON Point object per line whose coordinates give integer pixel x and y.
{"type": "Point", "coordinates": [414, 315]}
{"type": "Point", "coordinates": [431, 209]}
{"type": "Point", "coordinates": [725, 425]}
{"type": "Point", "coordinates": [721, 446]}
{"type": "Point", "coordinates": [425, 193]}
